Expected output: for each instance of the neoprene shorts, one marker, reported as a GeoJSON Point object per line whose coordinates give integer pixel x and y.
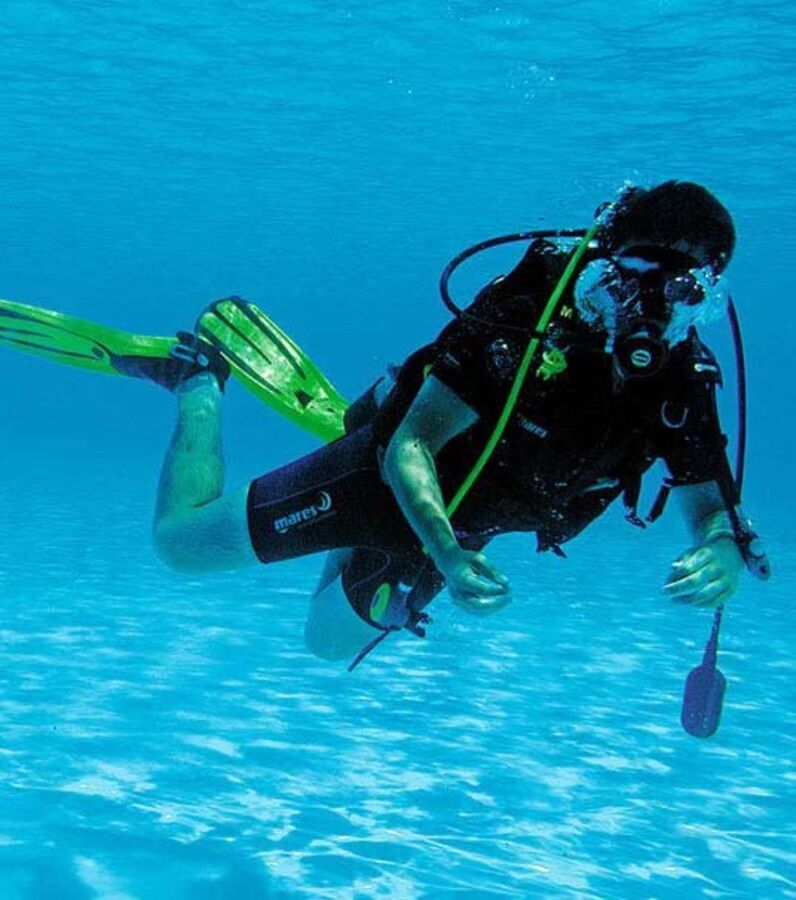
{"type": "Point", "coordinates": [332, 498]}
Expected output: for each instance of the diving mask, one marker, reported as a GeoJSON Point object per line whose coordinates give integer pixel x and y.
{"type": "Point", "coordinates": [646, 300]}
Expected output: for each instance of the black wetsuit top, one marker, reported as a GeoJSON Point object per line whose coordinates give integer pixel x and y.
{"type": "Point", "coordinates": [576, 441]}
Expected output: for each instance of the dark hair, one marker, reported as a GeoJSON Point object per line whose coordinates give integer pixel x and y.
{"type": "Point", "coordinates": [679, 215]}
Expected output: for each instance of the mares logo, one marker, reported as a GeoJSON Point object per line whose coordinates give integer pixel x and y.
{"type": "Point", "coordinates": [321, 506]}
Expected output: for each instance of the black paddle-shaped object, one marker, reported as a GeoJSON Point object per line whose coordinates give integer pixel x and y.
{"type": "Point", "coordinates": [703, 697]}
{"type": "Point", "coordinates": [704, 689]}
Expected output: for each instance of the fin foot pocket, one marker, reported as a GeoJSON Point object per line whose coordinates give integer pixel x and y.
{"type": "Point", "coordinates": [188, 357]}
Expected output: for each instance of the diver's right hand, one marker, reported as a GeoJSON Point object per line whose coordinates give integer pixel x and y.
{"type": "Point", "coordinates": [474, 583]}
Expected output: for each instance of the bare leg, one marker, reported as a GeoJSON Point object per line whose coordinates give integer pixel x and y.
{"type": "Point", "coordinates": [193, 470]}
{"type": "Point", "coordinates": [196, 528]}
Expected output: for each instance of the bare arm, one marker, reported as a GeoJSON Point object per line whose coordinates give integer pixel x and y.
{"type": "Point", "coordinates": [703, 509]}
{"type": "Point", "coordinates": [707, 574]}
{"type": "Point", "coordinates": [436, 416]}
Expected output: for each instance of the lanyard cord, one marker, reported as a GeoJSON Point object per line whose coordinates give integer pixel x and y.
{"type": "Point", "coordinates": [522, 372]}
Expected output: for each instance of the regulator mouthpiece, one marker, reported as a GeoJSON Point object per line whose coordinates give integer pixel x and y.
{"type": "Point", "coordinates": [640, 352]}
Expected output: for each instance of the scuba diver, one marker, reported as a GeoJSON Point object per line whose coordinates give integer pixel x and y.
{"type": "Point", "coordinates": [541, 403]}
{"type": "Point", "coordinates": [623, 380]}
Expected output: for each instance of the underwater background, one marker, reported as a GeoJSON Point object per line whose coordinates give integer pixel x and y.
{"type": "Point", "coordinates": [164, 736]}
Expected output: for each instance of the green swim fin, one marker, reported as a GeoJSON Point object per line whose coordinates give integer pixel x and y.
{"type": "Point", "coordinates": [273, 367]}
{"type": "Point", "coordinates": [261, 356]}
{"type": "Point", "coordinates": [75, 342]}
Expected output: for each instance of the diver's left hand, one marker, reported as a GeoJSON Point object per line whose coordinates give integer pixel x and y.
{"type": "Point", "coordinates": [706, 575]}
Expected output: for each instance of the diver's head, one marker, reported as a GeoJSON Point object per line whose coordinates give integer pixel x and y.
{"type": "Point", "coordinates": [678, 215]}
{"type": "Point", "coordinates": [658, 274]}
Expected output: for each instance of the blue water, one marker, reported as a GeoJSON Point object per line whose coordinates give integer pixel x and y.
{"type": "Point", "coordinates": [163, 736]}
